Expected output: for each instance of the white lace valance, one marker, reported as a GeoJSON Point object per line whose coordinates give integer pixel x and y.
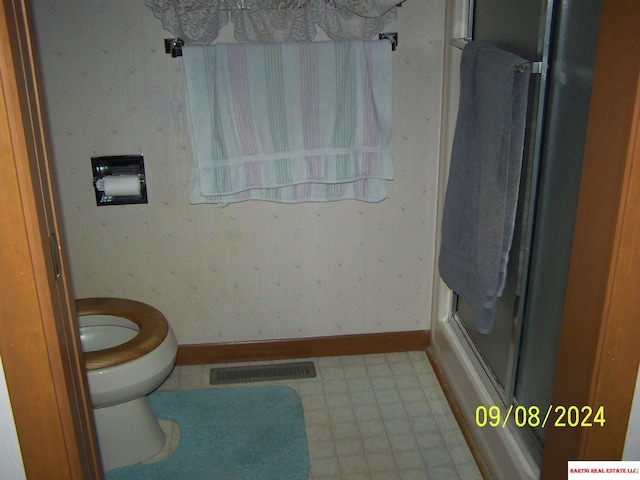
{"type": "Point", "coordinates": [198, 22]}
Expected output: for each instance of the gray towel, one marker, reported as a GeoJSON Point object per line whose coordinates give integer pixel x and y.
{"type": "Point", "coordinates": [482, 189]}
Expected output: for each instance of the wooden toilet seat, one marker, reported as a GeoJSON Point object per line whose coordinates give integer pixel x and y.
{"type": "Point", "coordinates": [152, 323]}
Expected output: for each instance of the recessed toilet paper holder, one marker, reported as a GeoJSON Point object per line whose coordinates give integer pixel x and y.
{"type": "Point", "coordinates": [119, 179]}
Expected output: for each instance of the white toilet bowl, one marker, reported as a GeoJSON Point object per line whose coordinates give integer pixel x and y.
{"type": "Point", "coordinates": [130, 350]}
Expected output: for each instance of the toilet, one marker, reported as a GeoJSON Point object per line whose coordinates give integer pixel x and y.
{"type": "Point", "coordinates": [129, 350]}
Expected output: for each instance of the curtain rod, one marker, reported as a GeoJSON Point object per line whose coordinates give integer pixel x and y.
{"type": "Point", "coordinates": [174, 46]}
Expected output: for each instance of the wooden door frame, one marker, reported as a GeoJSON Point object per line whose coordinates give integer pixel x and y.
{"type": "Point", "coordinates": [39, 343]}
{"type": "Point", "coordinates": [598, 354]}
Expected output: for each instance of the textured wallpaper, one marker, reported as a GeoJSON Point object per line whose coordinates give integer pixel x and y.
{"type": "Point", "coordinates": [251, 271]}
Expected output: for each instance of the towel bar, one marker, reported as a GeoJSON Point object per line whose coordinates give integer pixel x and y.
{"type": "Point", "coordinates": [174, 45]}
{"type": "Point", "coordinates": [528, 67]}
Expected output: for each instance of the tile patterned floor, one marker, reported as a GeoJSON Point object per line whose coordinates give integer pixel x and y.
{"type": "Point", "coordinates": [370, 417]}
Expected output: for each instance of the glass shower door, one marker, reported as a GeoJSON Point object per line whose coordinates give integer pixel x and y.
{"type": "Point", "coordinates": [575, 33]}
{"type": "Point", "coordinates": [519, 355]}
{"type": "Point", "coordinates": [519, 26]}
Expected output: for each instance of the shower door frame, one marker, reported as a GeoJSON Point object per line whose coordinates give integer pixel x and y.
{"type": "Point", "coordinates": [524, 227]}
{"type": "Point", "coordinates": [467, 373]}
{"type": "Point", "coordinates": [604, 272]}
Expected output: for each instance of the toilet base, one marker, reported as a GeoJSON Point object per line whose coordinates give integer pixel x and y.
{"type": "Point", "coordinates": [128, 433]}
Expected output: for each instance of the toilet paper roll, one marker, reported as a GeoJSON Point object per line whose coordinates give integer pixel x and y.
{"type": "Point", "coordinates": [122, 185]}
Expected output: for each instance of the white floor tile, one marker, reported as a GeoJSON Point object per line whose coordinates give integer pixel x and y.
{"type": "Point", "coordinates": [369, 417]}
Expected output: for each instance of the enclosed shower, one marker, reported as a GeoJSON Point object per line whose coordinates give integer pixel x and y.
{"type": "Point", "coordinates": [513, 366]}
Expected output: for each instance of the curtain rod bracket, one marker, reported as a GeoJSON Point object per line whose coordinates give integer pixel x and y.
{"type": "Point", "coordinates": [173, 46]}
{"type": "Point", "coordinates": [392, 37]}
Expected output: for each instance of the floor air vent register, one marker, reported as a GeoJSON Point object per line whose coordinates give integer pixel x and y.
{"type": "Point", "coordinates": [261, 373]}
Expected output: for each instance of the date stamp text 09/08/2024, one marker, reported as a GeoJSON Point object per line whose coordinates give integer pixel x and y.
{"type": "Point", "coordinates": [571, 416]}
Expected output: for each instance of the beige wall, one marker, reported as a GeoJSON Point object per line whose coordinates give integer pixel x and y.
{"type": "Point", "coordinates": [250, 271]}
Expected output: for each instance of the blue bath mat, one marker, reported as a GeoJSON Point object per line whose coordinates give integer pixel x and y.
{"type": "Point", "coordinates": [255, 433]}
